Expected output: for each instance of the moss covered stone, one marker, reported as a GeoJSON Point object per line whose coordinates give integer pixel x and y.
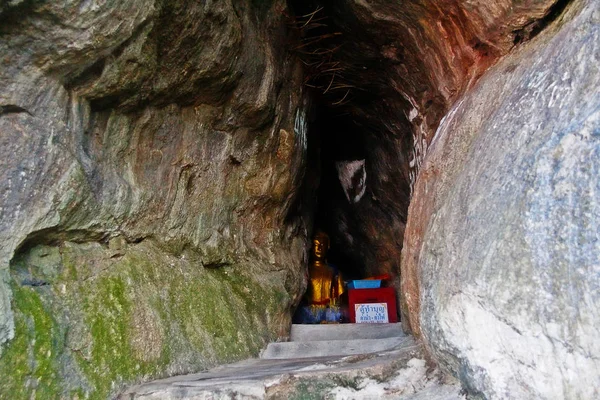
{"type": "Point", "coordinates": [102, 320]}
{"type": "Point", "coordinates": [30, 364]}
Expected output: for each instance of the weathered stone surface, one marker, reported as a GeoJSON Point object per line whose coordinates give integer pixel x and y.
{"type": "Point", "coordinates": [163, 143]}
{"type": "Point", "coordinates": [503, 237]}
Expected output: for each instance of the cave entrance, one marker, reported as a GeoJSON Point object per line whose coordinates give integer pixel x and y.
{"type": "Point", "coordinates": [342, 250]}
{"type": "Point", "coordinates": [361, 139]}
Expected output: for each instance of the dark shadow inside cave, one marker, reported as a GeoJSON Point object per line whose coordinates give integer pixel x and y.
{"type": "Point", "coordinates": [342, 145]}
{"type": "Point", "coordinates": [353, 205]}
{"type": "Point", "coordinates": [361, 141]}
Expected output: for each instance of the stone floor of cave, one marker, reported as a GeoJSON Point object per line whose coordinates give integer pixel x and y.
{"type": "Point", "coordinates": [348, 361]}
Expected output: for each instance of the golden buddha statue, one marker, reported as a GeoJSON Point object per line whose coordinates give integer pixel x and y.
{"type": "Point", "coordinates": [325, 284]}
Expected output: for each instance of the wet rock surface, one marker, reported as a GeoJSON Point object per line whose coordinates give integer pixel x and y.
{"type": "Point", "coordinates": [502, 238]}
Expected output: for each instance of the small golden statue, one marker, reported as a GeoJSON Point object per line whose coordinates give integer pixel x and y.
{"type": "Point", "coordinates": [325, 284]}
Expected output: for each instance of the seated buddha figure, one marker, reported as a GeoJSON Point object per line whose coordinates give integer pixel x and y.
{"type": "Point", "coordinates": [325, 284]}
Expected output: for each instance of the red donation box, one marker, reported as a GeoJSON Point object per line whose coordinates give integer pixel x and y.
{"type": "Point", "coordinates": [370, 305]}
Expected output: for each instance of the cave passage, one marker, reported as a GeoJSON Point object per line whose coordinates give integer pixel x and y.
{"type": "Point", "coordinates": [360, 142]}
{"type": "Point", "coordinates": [347, 208]}
{"type": "Point", "coordinates": [383, 75]}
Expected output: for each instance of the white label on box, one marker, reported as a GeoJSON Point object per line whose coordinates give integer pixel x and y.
{"type": "Point", "coordinates": [371, 313]}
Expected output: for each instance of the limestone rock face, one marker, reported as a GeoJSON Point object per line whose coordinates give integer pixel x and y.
{"type": "Point", "coordinates": [150, 159]}
{"type": "Point", "coordinates": [503, 234]}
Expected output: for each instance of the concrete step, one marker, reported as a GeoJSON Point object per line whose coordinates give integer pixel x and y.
{"type": "Point", "coordinates": [314, 333]}
{"type": "Point", "coordinates": [401, 373]}
{"type": "Point", "coordinates": [328, 348]}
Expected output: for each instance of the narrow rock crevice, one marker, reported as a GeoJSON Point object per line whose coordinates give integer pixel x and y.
{"type": "Point", "coordinates": [532, 29]}
{"type": "Point", "coordinates": [6, 109]}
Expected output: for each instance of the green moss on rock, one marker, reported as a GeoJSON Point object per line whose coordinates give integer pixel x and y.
{"type": "Point", "coordinates": [108, 309]}
{"type": "Point", "coordinates": [29, 365]}
{"type": "Point", "coordinates": [311, 389]}
{"type": "Point", "coordinates": [105, 322]}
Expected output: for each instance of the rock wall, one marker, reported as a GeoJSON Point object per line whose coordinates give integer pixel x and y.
{"type": "Point", "coordinates": [504, 242]}
{"type": "Point", "coordinates": [152, 154]}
